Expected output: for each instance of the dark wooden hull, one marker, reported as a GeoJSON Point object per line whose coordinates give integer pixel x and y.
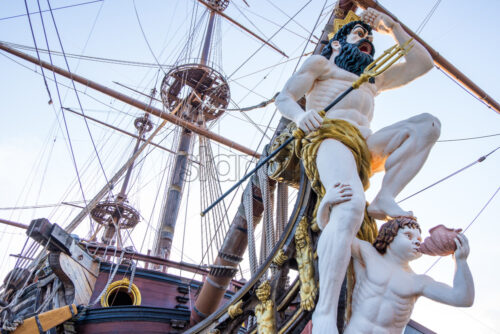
{"type": "Point", "coordinates": [166, 302]}
{"type": "Point", "coordinates": [133, 319]}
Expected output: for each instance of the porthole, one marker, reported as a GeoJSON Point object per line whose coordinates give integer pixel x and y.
{"type": "Point", "coordinates": [118, 294]}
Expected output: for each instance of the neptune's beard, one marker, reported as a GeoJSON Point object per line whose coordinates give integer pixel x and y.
{"type": "Point", "coordinates": [352, 59]}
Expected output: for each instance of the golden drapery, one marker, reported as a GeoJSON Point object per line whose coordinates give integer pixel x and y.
{"type": "Point", "coordinates": [306, 148]}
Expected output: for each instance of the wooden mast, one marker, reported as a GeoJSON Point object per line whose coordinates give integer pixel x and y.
{"type": "Point", "coordinates": [172, 204]}
{"type": "Point", "coordinates": [15, 224]}
{"type": "Point", "coordinates": [111, 214]}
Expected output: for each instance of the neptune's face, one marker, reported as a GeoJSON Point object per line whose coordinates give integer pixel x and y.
{"type": "Point", "coordinates": [360, 36]}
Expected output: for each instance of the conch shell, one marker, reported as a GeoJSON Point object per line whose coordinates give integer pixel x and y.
{"type": "Point", "coordinates": [441, 241]}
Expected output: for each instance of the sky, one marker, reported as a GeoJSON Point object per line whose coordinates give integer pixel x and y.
{"type": "Point", "coordinates": [38, 168]}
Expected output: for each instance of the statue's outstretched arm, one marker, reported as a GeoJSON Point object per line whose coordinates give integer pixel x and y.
{"type": "Point", "coordinates": [462, 292]}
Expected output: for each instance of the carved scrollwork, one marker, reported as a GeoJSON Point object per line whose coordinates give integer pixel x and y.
{"type": "Point", "coordinates": [264, 311]}
{"type": "Point", "coordinates": [304, 256]}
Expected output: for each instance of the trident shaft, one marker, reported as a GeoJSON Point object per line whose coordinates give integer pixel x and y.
{"type": "Point", "coordinates": [375, 68]}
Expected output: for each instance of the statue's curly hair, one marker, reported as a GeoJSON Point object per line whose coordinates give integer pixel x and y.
{"type": "Point", "coordinates": [389, 230]}
{"type": "Point", "coordinates": [341, 36]}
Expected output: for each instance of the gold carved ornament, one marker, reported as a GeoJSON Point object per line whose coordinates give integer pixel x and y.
{"type": "Point", "coordinates": [284, 167]}
{"type": "Point", "coordinates": [280, 258]}
{"type": "Point", "coordinates": [235, 310]}
{"type": "Point", "coordinates": [264, 311]}
{"type": "Point", "coordinates": [304, 256]}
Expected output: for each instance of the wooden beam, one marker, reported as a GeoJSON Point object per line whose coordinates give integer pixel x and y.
{"type": "Point", "coordinates": [11, 223]}
{"type": "Point", "coordinates": [439, 60]}
{"type": "Point", "coordinates": [157, 260]}
{"type": "Point", "coordinates": [193, 268]}
{"type": "Point", "coordinates": [239, 25]}
{"type": "Point", "coordinates": [133, 102]}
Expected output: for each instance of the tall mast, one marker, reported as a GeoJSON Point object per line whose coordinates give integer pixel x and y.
{"type": "Point", "coordinates": [116, 214]}
{"type": "Point", "coordinates": [202, 92]}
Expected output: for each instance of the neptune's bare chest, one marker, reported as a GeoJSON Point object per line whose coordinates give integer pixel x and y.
{"type": "Point", "coordinates": [331, 85]}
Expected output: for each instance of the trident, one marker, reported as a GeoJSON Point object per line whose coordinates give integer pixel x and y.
{"type": "Point", "coordinates": [377, 67]}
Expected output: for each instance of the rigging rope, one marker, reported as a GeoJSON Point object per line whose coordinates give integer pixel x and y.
{"type": "Point", "coordinates": [464, 88]}
{"type": "Point", "coordinates": [268, 223]}
{"type": "Point", "coordinates": [248, 186]}
{"type": "Point", "coordinates": [67, 132]}
{"type": "Point", "coordinates": [44, 173]}
{"type": "Point", "coordinates": [89, 58]}
{"type": "Point", "coordinates": [480, 159]}
{"type": "Point", "coordinates": [57, 8]}
{"type": "Point", "coordinates": [110, 278]}
{"type": "Point", "coordinates": [145, 38]}
{"type": "Point", "coordinates": [209, 175]}
{"type": "Point", "coordinates": [76, 93]}
{"type": "Point", "coordinates": [249, 21]}
{"type": "Point", "coordinates": [81, 108]}
{"type": "Point", "coordinates": [186, 48]}
{"type": "Point", "coordinates": [16, 275]}
{"type": "Point", "coordinates": [284, 13]}
{"type": "Point", "coordinates": [248, 205]}
{"type": "Point", "coordinates": [257, 106]}
{"type": "Point", "coordinates": [419, 30]}
{"type": "Point", "coordinates": [27, 188]}
{"type": "Point", "coordinates": [36, 49]}
{"type": "Point", "coordinates": [310, 36]}
{"type": "Point", "coordinates": [268, 40]}
{"type": "Point", "coordinates": [281, 209]}
{"type": "Point", "coordinates": [428, 17]}
{"type": "Point", "coordinates": [216, 185]}
{"type": "Point", "coordinates": [275, 24]}
{"type": "Point", "coordinates": [469, 138]}
{"type": "Point", "coordinates": [266, 68]}
{"type": "Point", "coordinates": [90, 33]}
